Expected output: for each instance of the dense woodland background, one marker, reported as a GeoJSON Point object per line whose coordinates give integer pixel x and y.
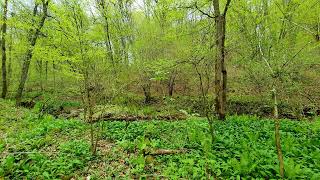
{"type": "Point", "coordinates": [154, 49]}
{"type": "Point", "coordinates": [127, 60]}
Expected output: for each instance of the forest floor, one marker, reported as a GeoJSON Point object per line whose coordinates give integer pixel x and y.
{"type": "Point", "coordinates": [35, 147]}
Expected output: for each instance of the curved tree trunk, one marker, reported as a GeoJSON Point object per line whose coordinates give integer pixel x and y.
{"type": "Point", "coordinates": [33, 36]}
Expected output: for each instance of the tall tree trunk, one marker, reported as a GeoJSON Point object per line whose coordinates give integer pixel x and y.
{"type": "Point", "coordinates": [33, 36]}
{"type": "Point", "coordinates": [3, 49]}
{"type": "Point", "coordinates": [220, 67]}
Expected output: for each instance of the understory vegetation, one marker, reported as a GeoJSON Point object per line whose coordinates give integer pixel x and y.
{"type": "Point", "coordinates": [49, 148]}
{"type": "Point", "coordinates": [160, 89]}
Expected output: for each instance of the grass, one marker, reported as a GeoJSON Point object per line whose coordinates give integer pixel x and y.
{"type": "Point", "coordinates": [49, 148]}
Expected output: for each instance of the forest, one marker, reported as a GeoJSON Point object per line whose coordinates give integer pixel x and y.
{"type": "Point", "coordinates": [160, 89]}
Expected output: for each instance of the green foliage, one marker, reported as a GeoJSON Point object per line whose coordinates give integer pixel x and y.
{"type": "Point", "coordinates": [244, 146]}
{"type": "Point", "coordinates": [50, 148]}
{"type": "Point", "coordinates": [31, 148]}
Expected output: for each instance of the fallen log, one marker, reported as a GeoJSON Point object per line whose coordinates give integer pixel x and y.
{"type": "Point", "coordinates": [160, 152]}
{"type": "Point", "coordinates": [131, 118]}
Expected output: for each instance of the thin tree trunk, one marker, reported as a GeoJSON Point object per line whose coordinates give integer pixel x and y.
{"type": "Point", "coordinates": [54, 76]}
{"type": "Point", "coordinates": [3, 49]}
{"type": "Point", "coordinates": [103, 9]}
{"type": "Point", "coordinates": [206, 105]}
{"type": "Point", "coordinates": [40, 64]}
{"type": "Point", "coordinates": [46, 66]}
{"type": "Point", "coordinates": [277, 133]}
{"type": "Point", "coordinates": [171, 84]}
{"type": "Point", "coordinates": [108, 42]}
{"type": "Point", "coordinates": [9, 63]}
{"type": "Point", "coordinates": [90, 111]}
{"type": "Point", "coordinates": [33, 36]}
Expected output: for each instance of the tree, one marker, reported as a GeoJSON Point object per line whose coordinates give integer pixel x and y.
{"type": "Point", "coordinates": [3, 48]}
{"type": "Point", "coordinates": [33, 35]}
{"type": "Point", "coordinates": [220, 67]}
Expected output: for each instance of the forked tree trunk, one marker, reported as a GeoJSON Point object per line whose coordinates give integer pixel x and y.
{"type": "Point", "coordinates": [3, 50]}
{"type": "Point", "coordinates": [277, 132]}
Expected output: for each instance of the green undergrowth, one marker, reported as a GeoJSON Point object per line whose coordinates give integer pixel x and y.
{"type": "Point", "coordinates": [49, 148]}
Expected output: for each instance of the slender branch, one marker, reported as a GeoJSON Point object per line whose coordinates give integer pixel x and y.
{"type": "Point", "coordinates": [266, 61]}
{"type": "Point", "coordinates": [298, 25]}
{"type": "Point", "coordinates": [226, 8]}
{"type": "Point", "coordinates": [204, 13]}
{"type": "Point", "coordinates": [294, 56]}
{"type": "Point", "coordinates": [195, 5]}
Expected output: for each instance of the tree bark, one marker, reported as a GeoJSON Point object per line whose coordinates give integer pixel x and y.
{"type": "Point", "coordinates": [171, 83]}
{"type": "Point", "coordinates": [3, 49]}
{"type": "Point", "coordinates": [33, 36]}
{"type": "Point", "coordinates": [220, 68]}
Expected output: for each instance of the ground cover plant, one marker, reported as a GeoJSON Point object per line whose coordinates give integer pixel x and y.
{"type": "Point", "coordinates": [49, 148]}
